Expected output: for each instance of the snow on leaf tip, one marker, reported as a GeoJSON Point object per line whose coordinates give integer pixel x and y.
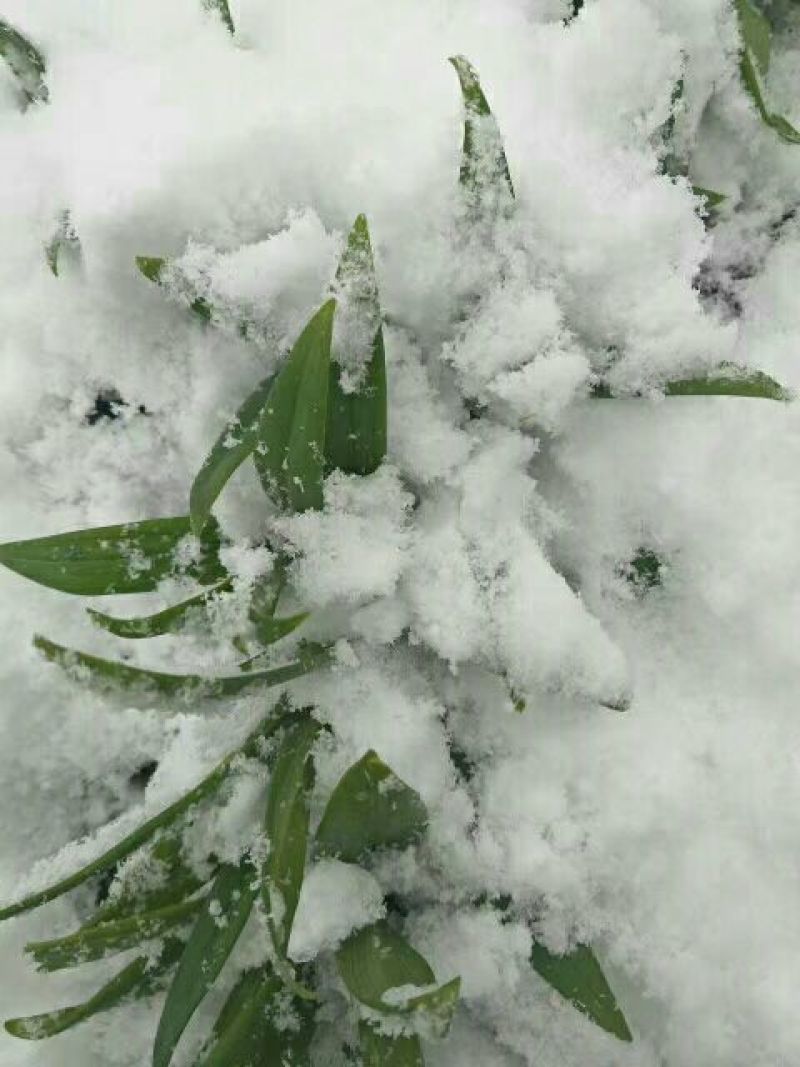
{"type": "Point", "coordinates": [484, 167]}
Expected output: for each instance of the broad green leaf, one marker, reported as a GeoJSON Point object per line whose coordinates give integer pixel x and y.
{"type": "Point", "coordinates": [355, 437]}
{"type": "Point", "coordinates": [26, 62]}
{"type": "Point", "coordinates": [97, 940]}
{"type": "Point", "coordinates": [165, 818]}
{"type": "Point", "coordinates": [376, 959]}
{"type": "Point", "coordinates": [139, 978]}
{"type": "Point", "coordinates": [64, 245]}
{"type": "Point", "coordinates": [290, 456]}
{"type": "Point", "coordinates": [216, 931]}
{"type": "Point", "coordinates": [107, 674]}
{"type": "Point", "coordinates": [247, 1033]}
{"type": "Point", "coordinates": [223, 10]}
{"type": "Point", "coordinates": [236, 442]}
{"type": "Point", "coordinates": [730, 381]}
{"type": "Point", "coordinates": [578, 977]}
{"type": "Point", "coordinates": [286, 826]}
{"type": "Point", "coordinates": [484, 165]}
{"type": "Point", "coordinates": [131, 558]}
{"type": "Point", "coordinates": [169, 621]}
{"type": "Point", "coordinates": [383, 1050]}
{"type": "Point", "coordinates": [754, 64]}
{"type": "Point", "coordinates": [154, 268]}
{"type": "Point", "coordinates": [370, 808]}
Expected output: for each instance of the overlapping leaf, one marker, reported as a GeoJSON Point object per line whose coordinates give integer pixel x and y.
{"type": "Point", "coordinates": [286, 826]}
{"type": "Point", "coordinates": [370, 808]}
{"type": "Point", "coordinates": [130, 558]}
{"type": "Point", "coordinates": [148, 830]}
{"type": "Point", "coordinates": [216, 931]}
{"type": "Point", "coordinates": [578, 977]}
{"type": "Point", "coordinates": [290, 456]}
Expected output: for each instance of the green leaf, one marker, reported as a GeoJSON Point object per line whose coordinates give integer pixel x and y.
{"type": "Point", "coordinates": [26, 62]}
{"type": "Point", "coordinates": [286, 826]}
{"type": "Point", "coordinates": [154, 268]}
{"type": "Point", "coordinates": [484, 166]}
{"type": "Point", "coordinates": [754, 64]}
{"type": "Point", "coordinates": [711, 200]}
{"type": "Point", "coordinates": [138, 979]}
{"type": "Point", "coordinates": [384, 1050]}
{"type": "Point", "coordinates": [108, 674]}
{"type": "Point", "coordinates": [578, 977]}
{"type": "Point", "coordinates": [756, 34]}
{"type": "Point", "coordinates": [247, 1033]}
{"type": "Point", "coordinates": [370, 808]}
{"type": "Point", "coordinates": [223, 10]}
{"type": "Point", "coordinates": [169, 815]}
{"type": "Point", "coordinates": [729, 381]}
{"type": "Point", "coordinates": [131, 558]}
{"type": "Point", "coordinates": [97, 940]}
{"type": "Point", "coordinates": [376, 959]}
{"type": "Point", "coordinates": [355, 437]}
{"type": "Point", "coordinates": [236, 442]}
{"type": "Point", "coordinates": [225, 912]}
{"type": "Point", "coordinates": [290, 457]}
{"type": "Point", "coordinates": [169, 621]}
{"type": "Point", "coordinates": [64, 243]}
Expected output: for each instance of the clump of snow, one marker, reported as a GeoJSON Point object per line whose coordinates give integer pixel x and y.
{"type": "Point", "coordinates": [336, 899]}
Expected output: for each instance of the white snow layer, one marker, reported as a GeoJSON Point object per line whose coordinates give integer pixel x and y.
{"type": "Point", "coordinates": [666, 834]}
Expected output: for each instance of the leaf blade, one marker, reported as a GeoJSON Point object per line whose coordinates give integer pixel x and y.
{"type": "Point", "coordinates": [375, 959]}
{"type": "Point", "coordinates": [384, 1050]}
{"type": "Point", "coordinates": [26, 62]}
{"type": "Point", "coordinates": [578, 977]}
{"type": "Point", "coordinates": [484, 167]}
{"type": "Point", "coordinates": [169, 621]}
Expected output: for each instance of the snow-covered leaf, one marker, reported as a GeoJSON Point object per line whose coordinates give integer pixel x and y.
{"type": "Point", "coordinates": [216, 931]}
{"type": "Point", "coordinates": [26, 61]}
{"type": "Point", "coordinates": [286, 827]}
{"type": "Point", "coordinates": [578, 977]}
{"type": "Point", "coordinates": [754, 64]}
{"type": "Point", "coordinates": [223, 10]}
{"type": "Point", "coordinates": [290, 456]}
{"type": "Point", "coordinates": [131, 558]}
{"type": "Point", "coordinates": [64, 246]}
{"type": "Point", "coordinates": [168, 621]}
{"type": "Point", "coordinates": [483, 159]}
{"type": "Point", "coordinates": [154, 268]}
{"type": "Point", "coordinates": [370, 808]}
{"type": "Point", "coordinates": [385, 1050]}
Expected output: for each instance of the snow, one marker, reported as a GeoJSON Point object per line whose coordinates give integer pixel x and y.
{"type": "Point", "coordinates": [475, 581]}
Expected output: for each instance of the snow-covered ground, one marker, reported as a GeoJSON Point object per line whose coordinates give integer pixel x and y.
{"type": "Point", "coordinates": [667, 834]}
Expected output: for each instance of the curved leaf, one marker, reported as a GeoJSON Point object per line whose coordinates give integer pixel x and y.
{"type": "Point", "coordinates": [26, 62]}
{"type": "Point", "coordinates": [731, 381]}
{"type": "Point", "coordinates": [139, 978]}
{"type": "Point", "coordinates": [225, 912]}
{"type": "Point", "coordinates": [236, 442]}
{"type": "Point", "coordinates": [247, 1033]}
{"type": "Point", "coordinates": [384, 1050]}
{"type": "Point", "coordinates": [144, 833]}
{"type": "Point", "coordinates": [370, 808]}
{"type": "Point", "coordinates": [84, 667]}
{"type": "Point", "coordinates": [223, 10]}
{"type": "Point", "coordinates": [484, 165]}
{"type": "Point", "coordinates": [376, 959]}
{"type": "Point", "coordinates": [130, 558]}
{"type": "Point", "coordinates": [355, 436]}
{"type": "Point", "coordinates": [286, 826]}
{"type": "Point", "coordinates": [290, 456]}
{"type": "Point", "coordinates": [754, 65]}
{"type": "Point", "coordinates": [578, 977]}
{"type": "Point", "coordinates": [169, 621]}
{"type": "Point", "coordinates": [98, 940]}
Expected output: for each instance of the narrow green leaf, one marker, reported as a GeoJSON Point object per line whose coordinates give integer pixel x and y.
{"type": "Point", "coordinates": [26, 62]}
{"type": "Point", "coordinates": [286, 826]}
{"type": "Point", "coordinates": [579, 978]}
{"type": "Point", "coordinates": [376, 959]}
{"type": "Point", "coordinates": [154, 268]}
{"type": "Point", "coordinates": [169, 815]}
{"type": "Point", "coordinates": [269, 631]}
{"type": "Point", "coordinates": [236, 442]}
{"type": "Point", "coordinates": [355, 437]}
{"type": "Point", "coordinates": [98, 940]}
{"type": "Point", "coordinates": [290, 456]}
{"type": "Point", "coordinates": [756, 34]}
{"type": "Point", "coordinates": [169, 621]}
{"type": "Point", "coordinates": [384, 1050]}
{"type": "Point", "coordinates": [484, 166]}
{"type": "Point", "coordinates": [754, 64]}
{"type": "Point", "coordinates": [225, 912]}
{"type": "Point", "coordinates": [223, 10]}
{"type": "Point", "coordinates": [139, 978]}
{"type": "Point", "coordinates": [131, 558]}
{"type": "Point", "coordinates": [370, 808]}
{"type": "Point", "coordinates": [107, 674]}
{"type": "Point", "coordinates": [248, 1034]}
{"type": "Point", "coordinates": [64, 244]}
{"type": "Point", "coordinates": [729, 381]}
